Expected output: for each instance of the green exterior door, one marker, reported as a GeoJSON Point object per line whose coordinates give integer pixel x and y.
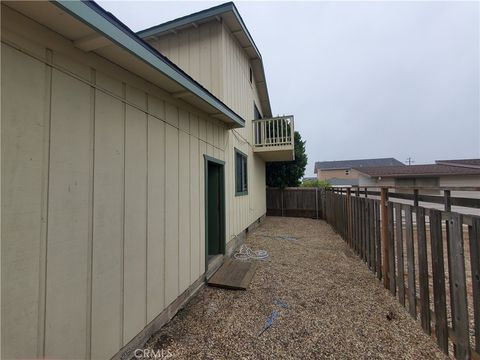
{"type": "Point", "coordinates": [215, 209]}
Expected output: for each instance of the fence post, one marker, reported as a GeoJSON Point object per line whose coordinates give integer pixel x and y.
{"type": "Point", "coordinates": [446, 200]}
{"type": "Point", "coordinates": [415, 197]}
{"type": "Point", "coordinates": [316, 201]}
{"type": "Point", "coordinates": [349, 219]}
{"type": "Point", "coordinates": [384, 236]}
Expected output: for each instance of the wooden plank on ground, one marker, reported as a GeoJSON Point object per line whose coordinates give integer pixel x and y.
{"type": "Point", "coordinates": [423, 271]}
{"type": "Point", "coordinates": [234, 274]}
{"type": "Point", "coordinates": [412, 296]}
{"type": "Point", "coordinates": [400, 261]}
{"type": "Point", "coordinates": [438, 273]}
{"type": "Point", "coordinates": [459, 288]}
{"type": "Point", "coordinates": [474, 237]}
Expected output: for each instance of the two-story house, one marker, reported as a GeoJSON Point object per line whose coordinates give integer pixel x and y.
{"type": "Point", "coordinates": [131, 165]}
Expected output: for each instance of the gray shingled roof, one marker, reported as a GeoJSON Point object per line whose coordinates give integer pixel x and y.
{"type": "Point", "coordinates": [419, 170]}
{"type": "Point", "coordinates": [471, 163]}
{"type": "Point", "coordinates": [349, 164]}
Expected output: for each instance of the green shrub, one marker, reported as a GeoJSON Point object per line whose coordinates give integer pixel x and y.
{"type": "Point", "coordinates": [323, 184]}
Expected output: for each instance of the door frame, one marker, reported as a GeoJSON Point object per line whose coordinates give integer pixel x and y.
{"type": "Point", "coordinates": [221, 164]}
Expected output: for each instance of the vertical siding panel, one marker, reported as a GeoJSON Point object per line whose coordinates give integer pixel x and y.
{"type": "Point", "coordinates": [107, 226]}
{"type": "Point", "coordinates": [68, 219]}
{"type": "Point", "coordinates": [209, 132]}
{"type": "Point", "coordinates": [184, 211]}
{"type": "Point", "coordinates": [195, 270]}
{"type": "Point", "coordinates": [156, 107]}
{"type": "Point", "coordinates": [135, 223]}
{"type": "Point", "coordinates": [194, 54]}
{"type": "Point", "coordinates": [215, 37]}
{"type": "Point", "coordinates": [136, 97]}
{"type": "Point", "coordinates": [171, 214]}
{"type": "Point", "coordinates": [205, 56]}
{"type": "Point", "coordinates": [202, 129]}
{"type": "Point", "coordinates": [183, 51]}
{"type": "Point", "coordinates": [173, 48]}
{"type": "Point", "coordinates": [156, 218]}
{"type": "Point", "coordinates": [194, 125]}
{"type": "Point", "coordinates": [203, 150]}
{"type": "Point", "coordinates": [24, 178]}
{"type": "Point", "coordinates": [183, 120]}
{"type": "Point", "coordinates": [171, 114]}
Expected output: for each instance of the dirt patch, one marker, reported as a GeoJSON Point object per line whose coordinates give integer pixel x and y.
{"type": "Point", "coordinates": [320, 300]}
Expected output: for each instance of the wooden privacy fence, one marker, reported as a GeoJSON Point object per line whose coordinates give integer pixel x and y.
{"type": "Point", "coordinates": [428, 258]}
{"type": "Point", "coordinates": [295, 202]}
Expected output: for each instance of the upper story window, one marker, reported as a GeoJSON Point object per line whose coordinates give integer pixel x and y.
{"type": "Point", "coordinates": [241, 176]}
{"type": "Point", "coordinates": [347, 172]}
{"type": "Point", "coordinates": [251, 75]}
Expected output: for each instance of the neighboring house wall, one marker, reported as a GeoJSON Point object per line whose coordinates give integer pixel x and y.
{"type": "Point", "coordinates": [442, 181]}
{"type": "Point", "coordinates": [103, 196]}
{"type": "Point", "coordinates": [211, 55]}
{"type": "Point", "coordinates": [339, 174]}
{"type": "Point", "coordinates": [352, 174]}
{"type": "Point", "coordinates": [465, 181]}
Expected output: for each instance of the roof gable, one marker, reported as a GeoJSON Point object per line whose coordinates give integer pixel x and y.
{"type": "Point", "coordinates": [232, 19]}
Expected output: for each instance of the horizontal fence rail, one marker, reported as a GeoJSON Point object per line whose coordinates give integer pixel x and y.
{"type": "Point", "coordinates": [428, 258]}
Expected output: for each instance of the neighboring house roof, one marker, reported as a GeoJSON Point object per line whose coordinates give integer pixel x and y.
{"type": "Point", "coordinates": [92, 29]}
{"type": "Point", "coordinates": [471, 163]}
{"type": "Point", "coordinates": [418, 171]}
{"type": "Point", "coordinates": [231, 17]}
{"type": "Point", "coordinates": [349, 164]}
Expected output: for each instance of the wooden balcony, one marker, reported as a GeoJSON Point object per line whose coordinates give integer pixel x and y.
{"type": "Point", "coordinates": [273, 138]}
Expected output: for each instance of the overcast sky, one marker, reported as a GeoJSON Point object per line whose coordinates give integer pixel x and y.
{"type": "Point", "coordinates": [363, 79]}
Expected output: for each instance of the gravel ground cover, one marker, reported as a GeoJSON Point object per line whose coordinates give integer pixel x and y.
{"type": "Point", "coordinates": [321, 300]}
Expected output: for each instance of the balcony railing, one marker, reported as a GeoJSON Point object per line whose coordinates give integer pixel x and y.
{"type": "Point", "coordinates": [274, 138]}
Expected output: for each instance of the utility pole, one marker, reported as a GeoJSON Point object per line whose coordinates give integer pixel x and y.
{"type": "Point", "coordinates": [409, 160]}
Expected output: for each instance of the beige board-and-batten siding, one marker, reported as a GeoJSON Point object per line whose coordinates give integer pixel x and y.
{"type": "Point", "coordinates": [102, 197]}
{"type": "Point", "coordinates": [210, 54]}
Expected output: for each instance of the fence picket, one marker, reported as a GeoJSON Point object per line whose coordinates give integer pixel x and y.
{"type": "Point", "coordinates": [412, 292]}
{"type": "Point", "coordinates": [391, 249]}
{"type": "Point", "coordinates": [423, 270]}
{"type": "Point", "coordinates": [438, 274]}
{"type": "Point", "coordinates": [399, 250]}
{"type": "Point", "coordinates": [474, 240]}
{"type": "Point", "coordinates": [459, 295]}
{"type": "Point", "coordinates": [371, 226]}
{"type": "Point", "coordinates": [378, 240]}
